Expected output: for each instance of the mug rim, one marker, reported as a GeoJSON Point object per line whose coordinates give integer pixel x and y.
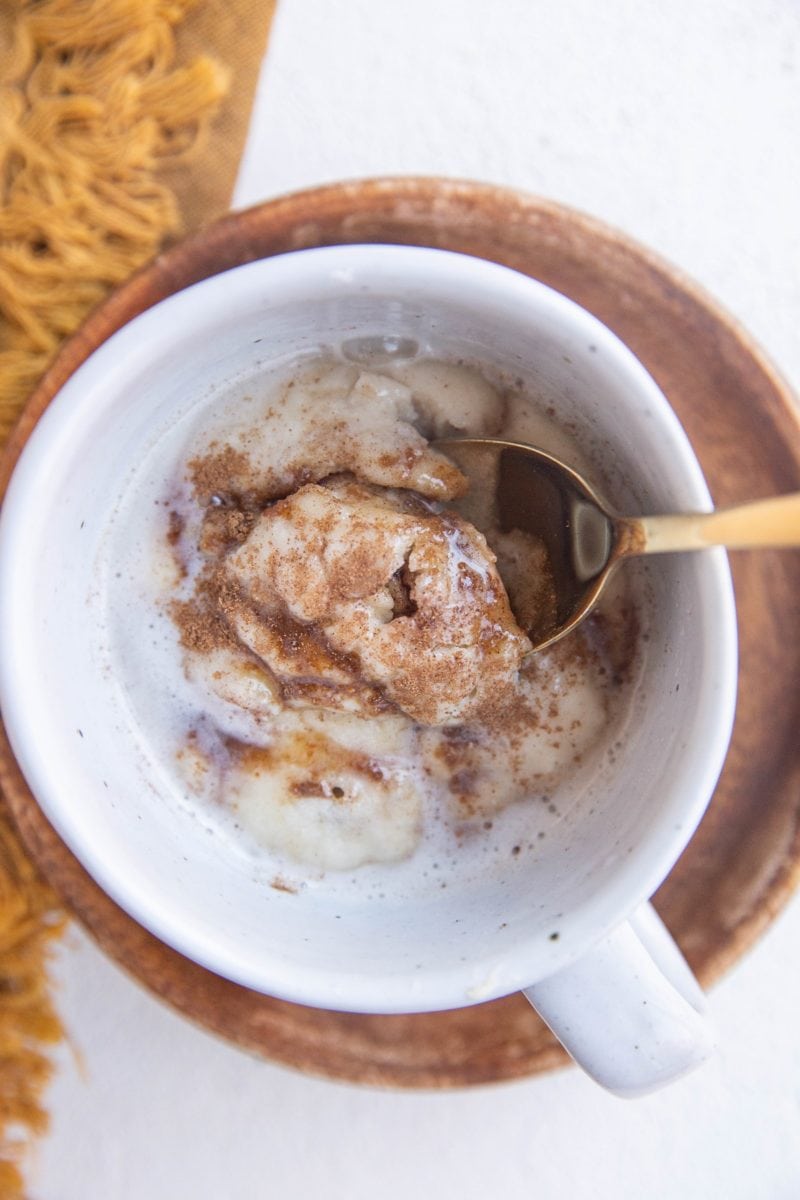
{"type": "Point", "coordinates": [345, 265]}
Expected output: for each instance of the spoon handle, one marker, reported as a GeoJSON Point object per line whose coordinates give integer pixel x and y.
{"type": "Point", "coordinates": [772, 522]}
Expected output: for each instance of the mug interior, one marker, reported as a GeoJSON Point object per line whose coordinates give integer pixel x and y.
{"type": "Point", "coordinates": [85, 758]}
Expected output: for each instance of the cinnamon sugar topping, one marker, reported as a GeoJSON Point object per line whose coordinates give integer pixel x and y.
{"type": "Point", "coordinates": [357, 637]}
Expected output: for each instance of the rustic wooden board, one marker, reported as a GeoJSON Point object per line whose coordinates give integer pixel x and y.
{"type": "Point", "coordinates": [744, 861]}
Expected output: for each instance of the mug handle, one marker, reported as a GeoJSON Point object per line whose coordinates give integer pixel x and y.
{"type": "Point", "coordinates": [630, 1011]}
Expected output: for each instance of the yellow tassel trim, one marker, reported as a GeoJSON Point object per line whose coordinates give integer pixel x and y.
{"type": "Point", "coordinates": [29, 920]}
{"type": "Point", "coordinates": [98, 105]}
{"type": "Point", "coordinates": [92, 104]}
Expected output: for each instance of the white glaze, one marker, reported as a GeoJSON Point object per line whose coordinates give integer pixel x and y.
{"type": "Point", "coordinates": [103, 790]}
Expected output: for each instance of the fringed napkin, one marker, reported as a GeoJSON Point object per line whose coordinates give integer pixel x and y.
{"type": "Point", "coordinates": [121, 125]}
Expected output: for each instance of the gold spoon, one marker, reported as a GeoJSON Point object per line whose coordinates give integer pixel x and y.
{"type": "Point", "coordinates": [536, 493]}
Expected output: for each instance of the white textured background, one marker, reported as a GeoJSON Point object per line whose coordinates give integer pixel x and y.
{"type": "Point", "coordinates": [678, 122]}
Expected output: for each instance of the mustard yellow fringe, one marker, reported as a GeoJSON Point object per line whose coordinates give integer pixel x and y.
{"type": "Point", "coordinates": [29, 920]}
{"type": "Point", "coordinates": [92, 103]}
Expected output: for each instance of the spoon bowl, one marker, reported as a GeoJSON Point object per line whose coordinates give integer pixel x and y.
{"type": "Point", "coordinates": [534, 492]}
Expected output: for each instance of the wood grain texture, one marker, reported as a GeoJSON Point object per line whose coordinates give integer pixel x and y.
{"type": "Point", "coordinates": [744, 860]}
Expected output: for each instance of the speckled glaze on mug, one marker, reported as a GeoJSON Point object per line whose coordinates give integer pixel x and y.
{"type": "Point", "coordinates": [418, 958]}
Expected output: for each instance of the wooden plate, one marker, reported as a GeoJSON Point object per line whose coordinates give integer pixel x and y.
{"type": "Point", "coordinates": [745, 859]}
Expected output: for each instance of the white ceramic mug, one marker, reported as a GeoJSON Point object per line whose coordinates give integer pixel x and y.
{"type": "Point", "coordinates": [575, 933]}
